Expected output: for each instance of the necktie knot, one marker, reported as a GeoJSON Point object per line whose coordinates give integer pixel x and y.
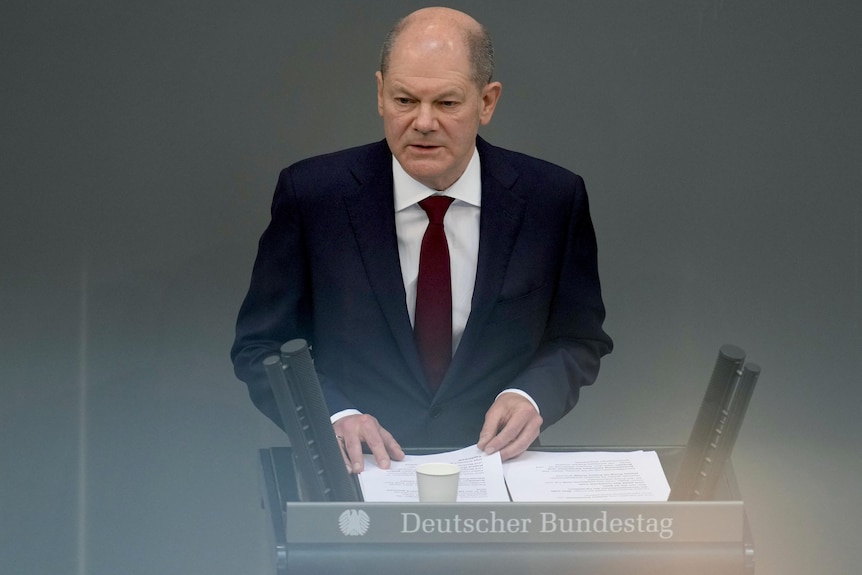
{"type": "Point", "coordinates": [435, 207]}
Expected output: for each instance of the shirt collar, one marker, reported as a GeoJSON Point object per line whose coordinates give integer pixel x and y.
{"type": "Point", "coordinates": [468, 188]}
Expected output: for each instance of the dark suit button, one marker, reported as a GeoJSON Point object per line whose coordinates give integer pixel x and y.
{"type": "Point", "coordinates": [435, 412]}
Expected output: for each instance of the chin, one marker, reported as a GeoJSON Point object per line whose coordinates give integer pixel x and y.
{"type": "Point", "coordinates": [423, 172]}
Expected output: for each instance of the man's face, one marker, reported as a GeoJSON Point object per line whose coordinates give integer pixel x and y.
{"type": "Point", "coordinates": [432, 109]}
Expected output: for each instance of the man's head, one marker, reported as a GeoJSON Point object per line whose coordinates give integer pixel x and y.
{"type": "Point", "coordinates": [479, 46]}
{"type": "Point", "coordinates": [434, 90]}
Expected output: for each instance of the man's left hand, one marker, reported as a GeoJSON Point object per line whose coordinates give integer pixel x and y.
{"type": "Point", "coordinates": [511, 426]}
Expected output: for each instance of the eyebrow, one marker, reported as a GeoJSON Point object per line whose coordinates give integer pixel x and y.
{"type": "Point", "coordinates": [450, 93]}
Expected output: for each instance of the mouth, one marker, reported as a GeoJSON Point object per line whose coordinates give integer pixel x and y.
{"type": "Point", "coordinates": [423, 147]}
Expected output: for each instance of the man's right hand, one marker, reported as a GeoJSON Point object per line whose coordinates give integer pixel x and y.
{"type": "Point", "coordinates": [354, 430]}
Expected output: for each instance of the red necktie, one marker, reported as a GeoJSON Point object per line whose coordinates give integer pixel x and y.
{"type": "Point", "coordinates": [432, 323]}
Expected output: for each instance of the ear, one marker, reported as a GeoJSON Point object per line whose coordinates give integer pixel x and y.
{"type": "Point", "coordinates": [490, 97]}
{"type": "Point", "coordinates": [379, 77]}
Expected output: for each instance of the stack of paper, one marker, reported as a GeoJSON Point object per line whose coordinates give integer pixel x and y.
{"type": "Point", "coordinates": [533, 476]}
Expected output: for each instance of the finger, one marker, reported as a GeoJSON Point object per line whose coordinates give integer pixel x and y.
{"type": "Point", "coordinates": [489, 428]}
{"type": "Point", "coordinates": [392, 447]}
{"type": "Point", "coordinates": [353, 445]}
{"type": "Point", "coordinates": [382, 446]}
{"type": "Point", "coordinates": [343, 448]}
{"type": "Point", "coordinates": [503, 423]}
{"type": "Point", "coordinates": [511, 425]}
{"type": "Point", "coordinates": [363, 428]}
{"type": "Point", "coordinates": [529, 433]}
{"type": "Point", "coordinates": [507, 434]}
{"type": "Point", "coordinates": [339, 429]}
{"type": "Point", "coordinates": [349, 432]}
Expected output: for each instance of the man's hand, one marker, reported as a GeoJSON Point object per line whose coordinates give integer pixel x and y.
{"type": "Point", "coordinates": [511, 426]}
{"type": "Point", "coordinates": [354, 430]}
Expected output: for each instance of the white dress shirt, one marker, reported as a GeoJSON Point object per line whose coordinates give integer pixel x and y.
{"type": "Point", "coordinates": [462, 235]}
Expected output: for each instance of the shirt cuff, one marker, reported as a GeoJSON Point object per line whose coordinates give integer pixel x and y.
{"type": "Point", "coordinates": [523, 394]}
{"type": "Point", "coordinates": [344, 413]}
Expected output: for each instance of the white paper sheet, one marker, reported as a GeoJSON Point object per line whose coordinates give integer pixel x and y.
{"type": "Point", "coordinates": [481, 478]}
{"type": "Point", "coordinates": [543, 476]}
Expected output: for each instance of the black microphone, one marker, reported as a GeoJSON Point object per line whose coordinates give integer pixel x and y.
{"type": "Point", "coordinates": [299, 398]}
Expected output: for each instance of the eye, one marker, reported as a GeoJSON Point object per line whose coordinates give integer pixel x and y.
{"type": "Point", "coordinates": [402, 100]}
{"type": "Point", "coordinates": [448, 103]}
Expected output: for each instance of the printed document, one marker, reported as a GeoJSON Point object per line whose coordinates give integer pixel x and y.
{"type": "Point", "coordinates": [542, 476]}
{"type": "Point", "coordinates": [481, 478]}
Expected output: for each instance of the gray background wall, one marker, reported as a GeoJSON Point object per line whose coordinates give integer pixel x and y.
{"type": "Point", "coordinates": [139, 146]}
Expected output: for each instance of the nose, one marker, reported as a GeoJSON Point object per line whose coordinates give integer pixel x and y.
{"type": "Point", "coordinates": [425, 120]}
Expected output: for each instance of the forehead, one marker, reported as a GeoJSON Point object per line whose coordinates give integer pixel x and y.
{"type": "Point", "coordinates": [431, 53]}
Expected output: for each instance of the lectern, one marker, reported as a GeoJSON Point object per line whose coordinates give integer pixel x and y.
{"type": "Point", "coordinates": [702, 530]}
{"type": "Point", "coordinates": [668, 538]}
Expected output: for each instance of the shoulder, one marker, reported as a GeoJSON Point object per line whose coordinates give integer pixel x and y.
{"type": "Point", "coordinates": [335, 165]}
{"type": "Point", "coordinates": [511, 168]}
{"type": "Point", "coordinates": [314, 182]}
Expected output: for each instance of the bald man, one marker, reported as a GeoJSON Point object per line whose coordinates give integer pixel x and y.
{"type": "Point", "coordinates": [343, 265]}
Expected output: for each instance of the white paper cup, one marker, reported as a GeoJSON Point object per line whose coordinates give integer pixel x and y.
{"type": "Point", "coordinates": [437, 481]}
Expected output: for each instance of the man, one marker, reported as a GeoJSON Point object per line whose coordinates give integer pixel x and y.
{"type": "Point", "coordinates": [343, 265]}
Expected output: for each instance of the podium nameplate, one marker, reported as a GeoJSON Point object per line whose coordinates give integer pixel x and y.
{"type": "Point", "coordinates": [505, 523]}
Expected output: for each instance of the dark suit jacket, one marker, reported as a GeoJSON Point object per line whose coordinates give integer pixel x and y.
{"type": "Point", "coordinates": [328, 271]}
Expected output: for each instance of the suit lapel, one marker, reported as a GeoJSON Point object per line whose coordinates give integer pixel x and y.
{"type": "Point", "coordinates": [371, 207]}
{"type": "Point", "coordinates": [500, 221]}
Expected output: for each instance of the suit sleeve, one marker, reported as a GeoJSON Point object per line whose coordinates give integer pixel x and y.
{"type": "Point", "coordinates": [574, 341]}
{"type": "Point", "coordinates": [278, 305]}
